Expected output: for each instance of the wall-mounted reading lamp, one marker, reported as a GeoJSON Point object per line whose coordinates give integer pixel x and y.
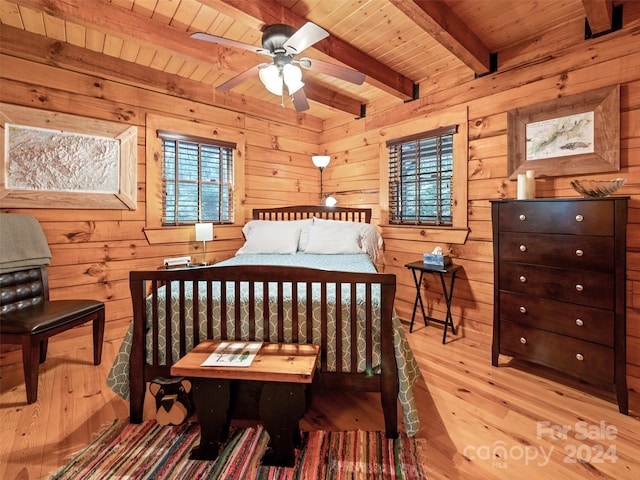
{"type": "Point", "coordinates": [321, 161]}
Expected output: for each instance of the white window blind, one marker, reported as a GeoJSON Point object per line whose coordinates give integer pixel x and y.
{"type": "Point", "coordinates": [197, 179]}
{"type": "Point", "coordinates": [420, 178]}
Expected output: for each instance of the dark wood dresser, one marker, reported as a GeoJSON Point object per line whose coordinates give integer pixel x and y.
{"type": "Point", "coordinates": [559, 286]}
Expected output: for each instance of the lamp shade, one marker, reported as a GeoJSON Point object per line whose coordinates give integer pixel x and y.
{"type": "Point", "coordinates": [204, 232]}
{"type": "Point", "coordinates": [271, 79]}
{"type": "Point", "coordinates": [330, 201]}
{"type": "Point", "coordinates": [292, 78]}
{"type": "Point", "coordinates": [321, 161]}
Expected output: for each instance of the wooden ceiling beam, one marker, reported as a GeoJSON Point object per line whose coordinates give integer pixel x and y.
{"type": "Point", "coordinates": [48, 51]}
{"type": "Point", "coordinates": [378, 74]}
{"type": "Point", "coordinates": [439, 21]}
{"type": "Point", "coordinates": [17, 43]}
{"type": "Point", "coordinates": [123, 23]}
{"type": "Point", "coordinates": [320, 93]}
{"type": "Point", "coordinates": [143, 30]}
{"type": "Point", "coordinates": [599, 14]}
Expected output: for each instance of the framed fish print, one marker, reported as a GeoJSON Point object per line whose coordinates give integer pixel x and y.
{"type": "Point", "coordinates": [577, 134]}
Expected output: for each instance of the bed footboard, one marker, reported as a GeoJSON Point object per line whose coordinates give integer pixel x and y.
{"type": "Point", "coordinates": [348, 314]}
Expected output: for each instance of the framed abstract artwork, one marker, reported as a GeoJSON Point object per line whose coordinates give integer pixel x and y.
{"type": "Point", "coordinates": [56, 160]}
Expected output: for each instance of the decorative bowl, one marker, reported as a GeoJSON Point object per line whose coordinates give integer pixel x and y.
{"type": "Point", "coordinates": [597, 188]}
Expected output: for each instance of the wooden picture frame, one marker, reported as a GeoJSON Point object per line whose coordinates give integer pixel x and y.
{"type": "Point", "coordinates": [82, 131]}
{"type": "Point", "coordinates": [591, 144]}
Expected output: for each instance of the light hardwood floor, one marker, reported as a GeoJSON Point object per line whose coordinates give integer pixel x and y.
{"type": "Point", "coordinates": [478, 422]}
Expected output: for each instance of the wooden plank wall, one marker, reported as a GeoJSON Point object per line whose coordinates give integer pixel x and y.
{"type": "Point", "coordinates": [94, 250]}
{"type": "Point", "coordinates": [610, 60]}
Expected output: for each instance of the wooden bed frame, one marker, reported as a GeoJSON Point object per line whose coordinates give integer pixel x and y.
{"type": "Point", "coordinates": [362, 215]}
{"type": "Point", "coordinates": [347, 378]}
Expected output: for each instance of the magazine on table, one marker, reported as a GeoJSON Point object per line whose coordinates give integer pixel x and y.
{"type": "Point", "coordinates": [233, 354]}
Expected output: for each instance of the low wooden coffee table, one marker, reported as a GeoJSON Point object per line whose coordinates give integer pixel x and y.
{"type": "Point", "coordinates": [277, 378]}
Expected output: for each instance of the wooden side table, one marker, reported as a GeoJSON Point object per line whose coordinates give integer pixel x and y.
{"type": "Point", "coordinates": [277, 378]}
{"type": "Point", "coordinates": [423, 268]}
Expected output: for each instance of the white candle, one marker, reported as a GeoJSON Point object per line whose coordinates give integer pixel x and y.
{"type": "Point", "coordinates": [522, 186]}
{"type": "Point", "coordinates": [531, 183]}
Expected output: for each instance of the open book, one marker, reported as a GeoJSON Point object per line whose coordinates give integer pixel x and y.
{"type": "Point", "coordinates": [233, 354]}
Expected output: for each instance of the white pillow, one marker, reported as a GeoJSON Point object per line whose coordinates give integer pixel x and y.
{"type": "Point", "coordinates": [276, 239]}
{"type": "Point", "coordinates": [370, 239]}
{"type": "Point", "coordinates": [333, 237]}
{"type": "Point", "coordinates": [302, 224]}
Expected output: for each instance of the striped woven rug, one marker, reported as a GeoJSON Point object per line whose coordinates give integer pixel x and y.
{"type": "Point", "coordinates": [153, 451]}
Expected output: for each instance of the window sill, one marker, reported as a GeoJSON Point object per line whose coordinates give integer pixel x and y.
{"type": "Point", "coordinates": [187, 233]}
{"type": "Point", "coordinates": [421, 233]}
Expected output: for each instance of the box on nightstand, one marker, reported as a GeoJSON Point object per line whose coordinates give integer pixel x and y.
{"type": "Point", "coordinates": [436, 260]}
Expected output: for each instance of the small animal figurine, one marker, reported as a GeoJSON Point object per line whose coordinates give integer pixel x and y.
{"type": "Point", "coordinates": [173, 402]}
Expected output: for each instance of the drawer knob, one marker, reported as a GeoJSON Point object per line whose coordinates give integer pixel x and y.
{"type": "Point", "coordinates": [523, 340]}
{"type": "Point", "coordinates": [523, 248]}
{"type": "Point", "coordinates": [579, 218]}
{"type": "Point", "coordinates": [579, 357]}
{"type": "Point", "coordinates": [522, 217]}
{"type": "Point", "coordinates": [579, 253]}
{"type": "Point", "coordinates": [579, 288]}
{"type": "Point", "coordinates": [579, 322]}
{"type": "Point", "coordinates": [523, 279]}
{"type": "Point", "coordinates": [523, 310]}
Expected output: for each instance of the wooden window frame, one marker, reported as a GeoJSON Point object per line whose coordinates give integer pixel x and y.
{"type": "Point", "coordinates": [458, 232]}
{"type": "Point", "coordinates": [178, 138]}
{"type": "Point", "coordinates": [396, 158]}
{"type": "Point", "coordinates": [154, 230]}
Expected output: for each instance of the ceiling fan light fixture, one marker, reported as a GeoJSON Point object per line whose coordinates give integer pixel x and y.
{"type": "Point", "coordinates": [271, 79]}
{"type": "Point", "coordinates": [292, 78]}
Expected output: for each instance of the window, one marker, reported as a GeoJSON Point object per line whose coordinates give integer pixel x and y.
{"type": "Point", "coordinates": [197, 179]}
{"type": "Point", "coordinates": [421, 178]}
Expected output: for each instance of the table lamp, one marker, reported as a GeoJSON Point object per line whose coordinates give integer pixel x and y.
{"type": "Point", "coordinates": [204, 233]}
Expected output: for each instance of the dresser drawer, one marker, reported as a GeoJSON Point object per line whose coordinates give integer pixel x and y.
{"type": "Point", "coordinates": [568, 251]}
{"type": "Point", "coordinates": [576, 357]}
{"type": "Point", "coordinates": [576, 218]}
{"type": "Point", "coordinates": [593, 289]}
{"type": "Point", "coordinates": [585, 323]}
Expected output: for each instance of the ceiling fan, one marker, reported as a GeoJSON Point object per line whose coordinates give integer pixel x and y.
{"type": "Point", "coordinates": [283, 43]}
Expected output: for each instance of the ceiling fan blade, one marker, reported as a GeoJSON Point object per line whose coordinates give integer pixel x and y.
{"type": "Point", "coordinates": [228, 42]}
{"type": "Point", "coordinates": [304, 37]}
{"type": "Point", "coordinates": [336, 71]}
{"type": "Point", "coordinates": [238, 79]}
{"type": "Point", "coordinates": [300, 101]}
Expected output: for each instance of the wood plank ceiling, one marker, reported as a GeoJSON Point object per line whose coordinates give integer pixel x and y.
{"type": "Point", "coordinates": [406, 48]}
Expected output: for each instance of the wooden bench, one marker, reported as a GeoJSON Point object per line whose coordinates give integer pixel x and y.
{"type": "Point", "coordinates": [271, 389]}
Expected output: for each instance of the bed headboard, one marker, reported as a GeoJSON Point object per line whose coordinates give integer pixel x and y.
{"type": "Point", "coordinates": [300, 212]}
